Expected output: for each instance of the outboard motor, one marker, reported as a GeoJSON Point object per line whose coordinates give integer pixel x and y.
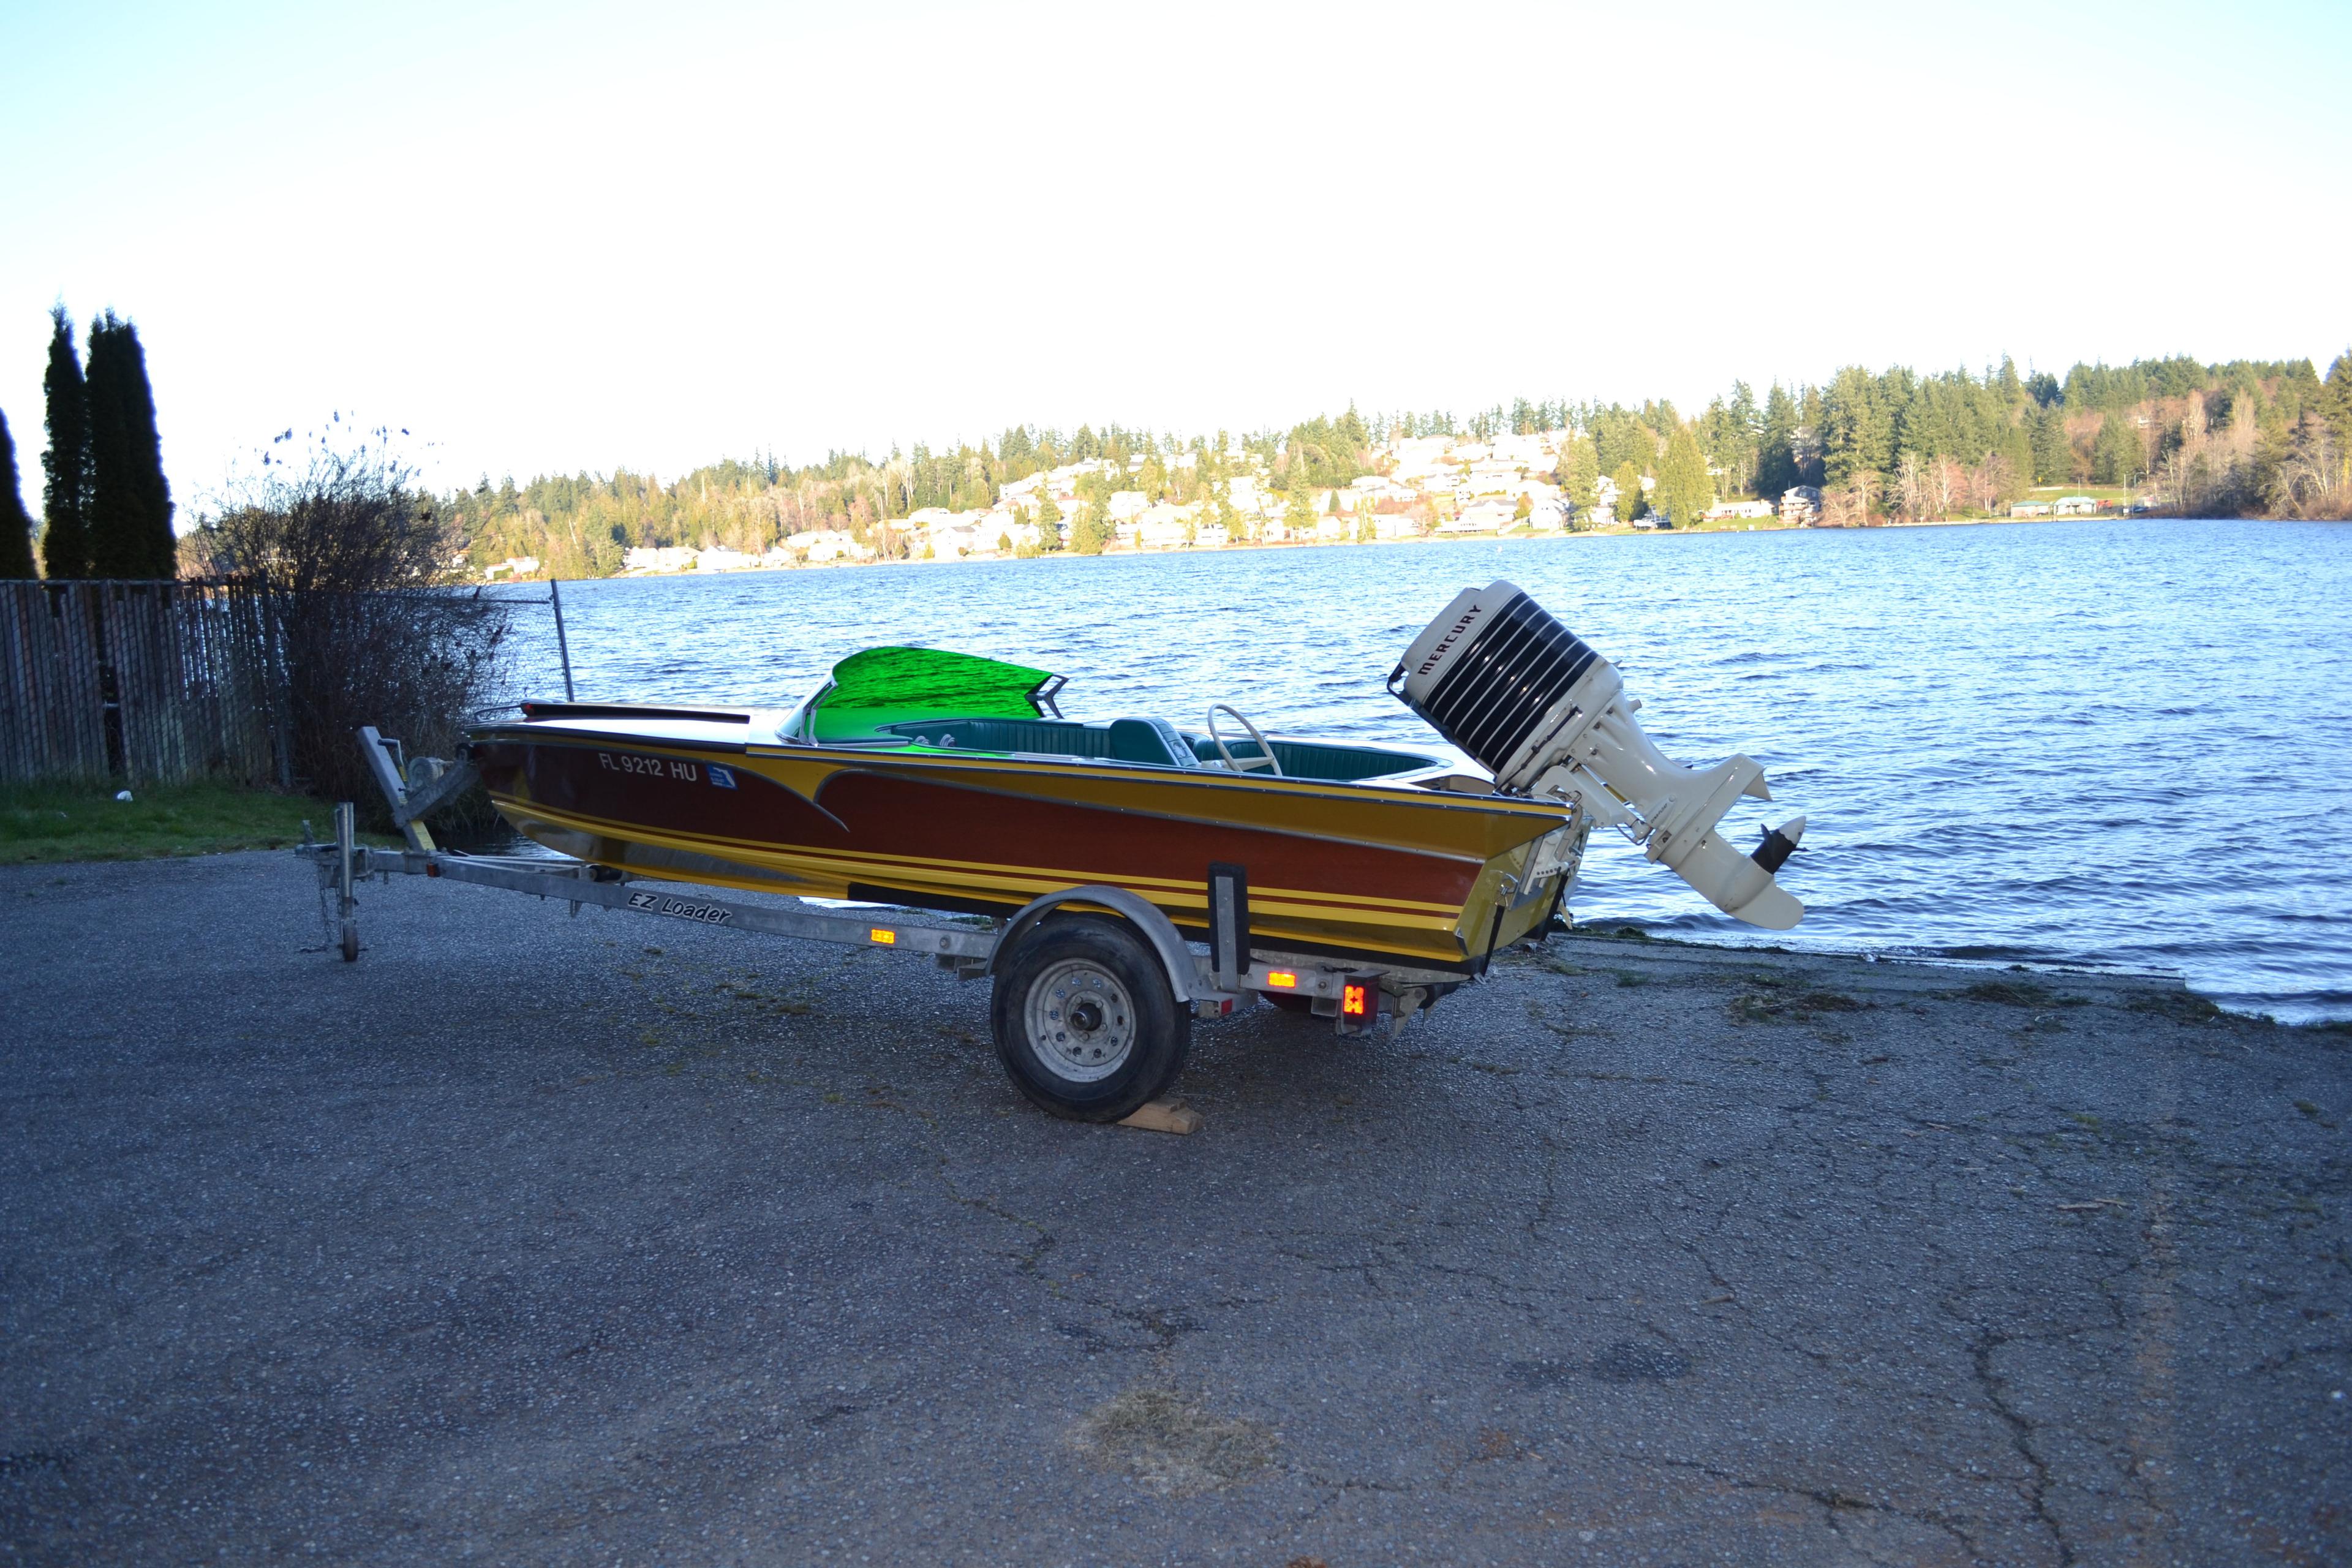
{"type": "Point", "coordinates": [1522, 694]}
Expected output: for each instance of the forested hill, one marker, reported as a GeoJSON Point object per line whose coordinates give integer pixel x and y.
{"type": "Point", "coordinates": [2245, 436]}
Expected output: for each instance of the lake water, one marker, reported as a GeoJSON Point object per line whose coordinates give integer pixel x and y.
{"type": "Point", "coordinates": [2105, 742]}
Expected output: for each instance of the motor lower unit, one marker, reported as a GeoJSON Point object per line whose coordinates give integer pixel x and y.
{"type": "Point", "coordinates": [1525, 698]}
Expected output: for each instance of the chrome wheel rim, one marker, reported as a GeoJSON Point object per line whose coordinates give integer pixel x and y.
{"type": "Point", "coordinates": [1080, 1021]}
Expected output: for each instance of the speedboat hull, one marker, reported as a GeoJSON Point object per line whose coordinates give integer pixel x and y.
{"type": "Point", "coordinates": [1394, 872]}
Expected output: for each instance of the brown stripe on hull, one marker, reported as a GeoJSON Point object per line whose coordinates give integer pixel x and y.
{"type": "Point", "coordinates": [864, 810]}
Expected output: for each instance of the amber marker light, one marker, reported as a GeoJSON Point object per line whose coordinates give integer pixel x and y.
{"type": "Point", "coordinates": [1356, 1000]}
{"type": "Point", "coordinates": [1282, 977]}
{"type": "Point", "coordinates": [884, 937]}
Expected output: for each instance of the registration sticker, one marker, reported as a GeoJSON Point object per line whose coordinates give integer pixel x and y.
{"type": "Point", "coordinates": [723, 777]}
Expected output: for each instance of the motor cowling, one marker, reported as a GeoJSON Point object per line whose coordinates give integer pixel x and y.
{"type": "Point", "coordinates": [1500, 676]}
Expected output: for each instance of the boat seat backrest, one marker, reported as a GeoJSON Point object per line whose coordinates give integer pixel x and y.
{"type": "Point", "coordinates": [1151, 740]}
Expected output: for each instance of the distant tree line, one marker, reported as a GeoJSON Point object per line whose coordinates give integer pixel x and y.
{"type": "Point", "coordinates": [2239, 438]}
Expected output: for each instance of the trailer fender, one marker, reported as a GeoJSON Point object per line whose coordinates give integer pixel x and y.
{"type": "Point", "coordinates": [1183, 969]}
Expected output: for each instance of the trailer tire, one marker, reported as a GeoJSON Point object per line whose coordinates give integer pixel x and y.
{"type": "Point", "coordinates": [1085, 1021]}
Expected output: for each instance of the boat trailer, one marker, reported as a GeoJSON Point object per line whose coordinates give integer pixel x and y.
{"type": "Point", "coordinates": [1087, 979]}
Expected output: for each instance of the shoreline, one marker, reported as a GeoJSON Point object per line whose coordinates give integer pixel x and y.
{"type": "Point", "coordinates": [1614, 532]}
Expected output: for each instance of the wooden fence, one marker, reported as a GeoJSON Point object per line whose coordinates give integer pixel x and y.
{"type": "Point", "coordinates": [139, 682]}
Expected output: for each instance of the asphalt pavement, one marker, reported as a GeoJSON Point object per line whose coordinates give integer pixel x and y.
{"type": "Point", "coordinates": [531, 1239]}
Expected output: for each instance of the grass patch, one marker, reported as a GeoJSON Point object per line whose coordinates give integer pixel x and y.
{"type": "Point", "coordinates": [42, 823]}
{"type": "Point", "coordinates": [1792, 1007]}
{"type": "Point", "coordinates": [2021, 993]}
{"type": "Point", "coordinates": [2181, 1006]}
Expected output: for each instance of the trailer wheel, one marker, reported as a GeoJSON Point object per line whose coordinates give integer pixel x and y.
{"type": "Point", "coordinates": [1085, 1021]}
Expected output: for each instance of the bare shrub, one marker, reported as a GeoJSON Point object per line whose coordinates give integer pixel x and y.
{"type": "Point", "coordinates": [364, 623]}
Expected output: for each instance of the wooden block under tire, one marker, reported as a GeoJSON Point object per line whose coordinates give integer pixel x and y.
{"type": "Point", "coordinates": [1166, 1116]}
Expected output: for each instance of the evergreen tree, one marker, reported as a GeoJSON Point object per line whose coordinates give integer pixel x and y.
{"type": "Point", "coordinates": [1810, 413]}
{"type": "Point", "coordinates": [1629, 504]}
{"type": "Point", "coordinates": [2053, 455]}
{"type": "Point", "coordinates": [1776, 445]}
{"type": "Point", "coordinates": [1857, 427]}
{"type": "Point", "coordinates": [1578, 473]}
{"type": "Point", "coordinates": [129, 507]}
{"type": "Point", "coordinates": [1685, 491]}
{"type": "Point", "coordinates": [65, 497]}
{"type": "Point", "coordinates": [2116, 455]}
{"type": "Point", "coordinates": [2017, 456]}
{"type": "Point", "coordinates": [1092, 531]}
{"type": "Point", "coordinates": [15, 528]}
{"type": "Point", "coordinates": [2335, 398]}
{"type": "Point", "coordinates": [1728, 435]}
{"type": "Point", "coordinates": [1049, 517]}
{"type": "Point", "coordinates": [1229, 516]}
{"type": "Point", "coordinates": [1299, 515]}
{"type": "Point", "coordinates": [2011, 387]}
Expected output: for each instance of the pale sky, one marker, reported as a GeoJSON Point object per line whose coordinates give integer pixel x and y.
{"type": "Point", "coordinates": [550, 237]}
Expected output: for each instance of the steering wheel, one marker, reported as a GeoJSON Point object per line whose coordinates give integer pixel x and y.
{"type": "Point", "coordinates": [1265, 759]}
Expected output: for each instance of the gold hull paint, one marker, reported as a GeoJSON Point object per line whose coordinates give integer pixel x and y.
{"type": "Point", "coordinates": [1444, 887]}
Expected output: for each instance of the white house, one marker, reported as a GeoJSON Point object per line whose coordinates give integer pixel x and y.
{"type": "Point", "coordinates": [1161, 527]}
{"type": "Point", "coordinates": [823, 545]}
{"type": "Point", "coordinates": [1482, 517]}
{"type": "Point", "coordinates": [1534, 451]}
{"type": "Point", "coordinates": [1419, 456]}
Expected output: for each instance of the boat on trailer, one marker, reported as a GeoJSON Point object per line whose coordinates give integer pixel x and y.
{"type": "Point", "coordinates": [1134, 875]}
{"type": "Point", "coordinates": [941, 781]}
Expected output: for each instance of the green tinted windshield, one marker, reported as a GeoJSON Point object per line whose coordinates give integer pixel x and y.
{"type": "Point", "coordinates": [892, 685]}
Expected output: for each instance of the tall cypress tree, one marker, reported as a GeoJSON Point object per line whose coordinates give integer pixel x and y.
{"type": "Point", "coordinates": [64, 547]}
{"type": "Point", "coordinates": [15, 528]}
{"type": "Point", "coordinates": [129, 517]}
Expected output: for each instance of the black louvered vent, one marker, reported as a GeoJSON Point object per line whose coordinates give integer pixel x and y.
{"type": "Point", "coordinates": [1522, 662]}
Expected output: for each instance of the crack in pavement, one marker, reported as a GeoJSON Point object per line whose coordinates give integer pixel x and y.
{"type": "Point", "coordinates": [2020, 1431]}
